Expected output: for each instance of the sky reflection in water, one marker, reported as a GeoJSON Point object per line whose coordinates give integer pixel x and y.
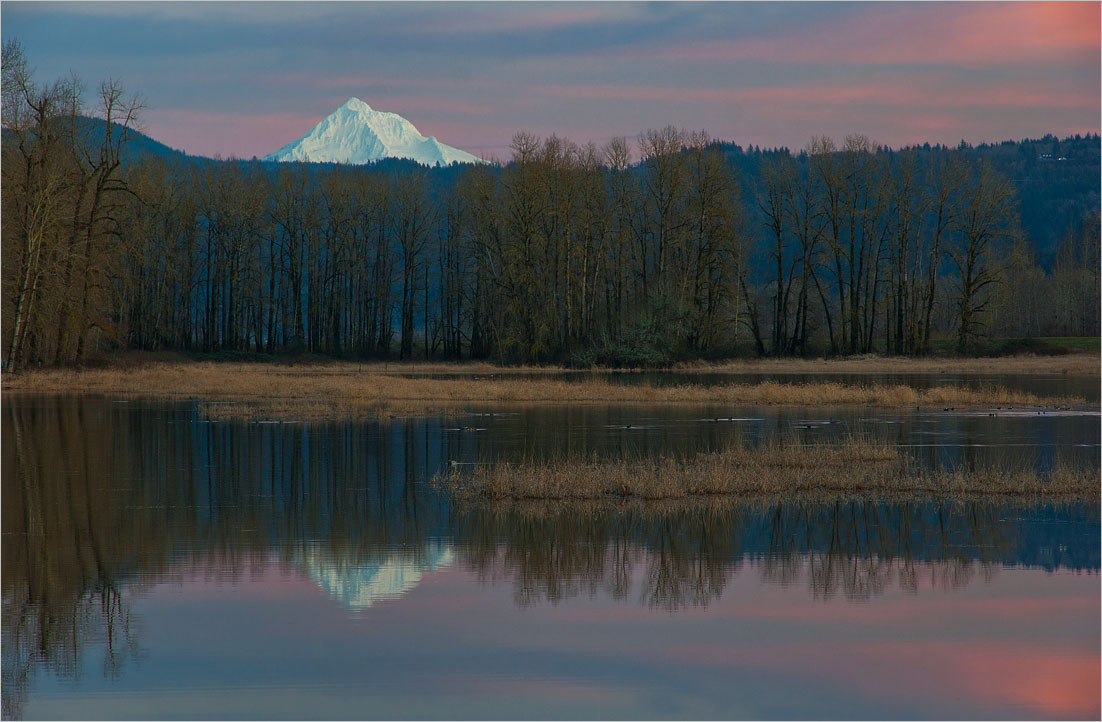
{"type": "Point", "coordinates": [156, 566]}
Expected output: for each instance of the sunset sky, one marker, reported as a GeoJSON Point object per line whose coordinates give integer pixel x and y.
{"type": "Point", "coordinates": [246, 78]}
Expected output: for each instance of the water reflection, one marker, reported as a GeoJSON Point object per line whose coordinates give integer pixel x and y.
{"type": "Point", "coordinates": [101, 501]}
{"type": "Point", "coordinates": [689, 552]}
{"type": "Point", "coordinates": [357, 584]}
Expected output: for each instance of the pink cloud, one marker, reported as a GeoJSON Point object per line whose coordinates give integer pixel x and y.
{"type": "Point", "coordinates": [911, 92]}
{"type": "Point", "coordinates": [967, 34]}
{"type": "Point", "coordinates": [367, 81]}
{"type": "Point", "coordinates": [209, 133]}
{"type": "Point", "coordinates": [490, 139]}
{"type": "Point", "coordinates": [912, 107]}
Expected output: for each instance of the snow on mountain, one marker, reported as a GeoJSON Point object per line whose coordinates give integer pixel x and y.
{"type": "Point", "coordinates": [355, 133]}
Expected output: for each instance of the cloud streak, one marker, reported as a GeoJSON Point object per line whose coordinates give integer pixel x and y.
{"type": "Point", "coordinates": [965, 34]}
{"type": "Point", "coordinates": [878, 93]}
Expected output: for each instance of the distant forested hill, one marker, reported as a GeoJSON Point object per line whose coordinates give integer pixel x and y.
{"type": "Point", "coordinates": [139, 146]}
{"type": "Point", "coordinates": [1057, 183]}
{"type": "Point", "coordinates": [1057, 180]}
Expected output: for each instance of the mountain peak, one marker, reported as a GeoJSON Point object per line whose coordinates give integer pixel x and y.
{"type": "Point", "coordinates": [355, 133]}
{"type": "Point", "coordinates": [355, 104]}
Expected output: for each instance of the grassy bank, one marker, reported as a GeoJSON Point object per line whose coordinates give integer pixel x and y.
{"type": "Point", "coordinates": [1078, 364]}
{"type": "Point", "coordinates": [1084, 361]}
{"type": "Point", "coordinates": [853, 467]}
{"type": "Point", "coordinates": [347, 390]}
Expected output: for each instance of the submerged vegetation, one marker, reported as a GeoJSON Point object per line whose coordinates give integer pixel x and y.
{"type": "Point", "coordinates": [341, 391]}
{"type": "Point", "coordinates": [789, 470]}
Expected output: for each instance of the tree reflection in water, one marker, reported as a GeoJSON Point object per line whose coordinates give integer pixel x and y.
{"type": "Point", "coordinates": [690, 551]}
{"type": "Point", "coordinates": [101, 501]}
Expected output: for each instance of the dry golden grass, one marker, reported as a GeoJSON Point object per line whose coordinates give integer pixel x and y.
{"type": "Point", "coordinates": [348, 390]}
{"type": "Point", "coordinates": [1080, 364]}
{"type": "Point", "coordinates": [1077, 364]}
{"type": "Point", "coordinates": [779, 470]}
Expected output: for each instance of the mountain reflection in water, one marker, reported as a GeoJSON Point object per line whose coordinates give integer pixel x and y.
{"type": "Point", "coordinates": [101, 502]}
{"type": "Point", "coordinates": [357, 584]}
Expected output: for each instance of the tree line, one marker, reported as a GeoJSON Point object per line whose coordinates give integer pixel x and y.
{"type": "Point", "coordinates": [634, 252]}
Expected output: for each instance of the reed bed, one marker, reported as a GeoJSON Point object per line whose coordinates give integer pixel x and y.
{"type": "Point", "coordinates": [778, 470]}
{"type": "Point", "coordinates": [342, 391]}
{"type": "Point", "coordinates": [1078, 364]}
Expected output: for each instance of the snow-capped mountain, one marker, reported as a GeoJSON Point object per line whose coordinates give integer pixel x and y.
{"type": "Point", "coordinates": [355, 133]}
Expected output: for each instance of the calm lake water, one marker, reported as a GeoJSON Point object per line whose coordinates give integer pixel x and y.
{"type": "Point", "coordinates": [158, 565]}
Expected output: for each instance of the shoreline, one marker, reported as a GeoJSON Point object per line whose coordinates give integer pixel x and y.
{"type": "Point", "coordinates": [1086, 364]}
{"type": "Point", "coordinates": [339, 391]}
